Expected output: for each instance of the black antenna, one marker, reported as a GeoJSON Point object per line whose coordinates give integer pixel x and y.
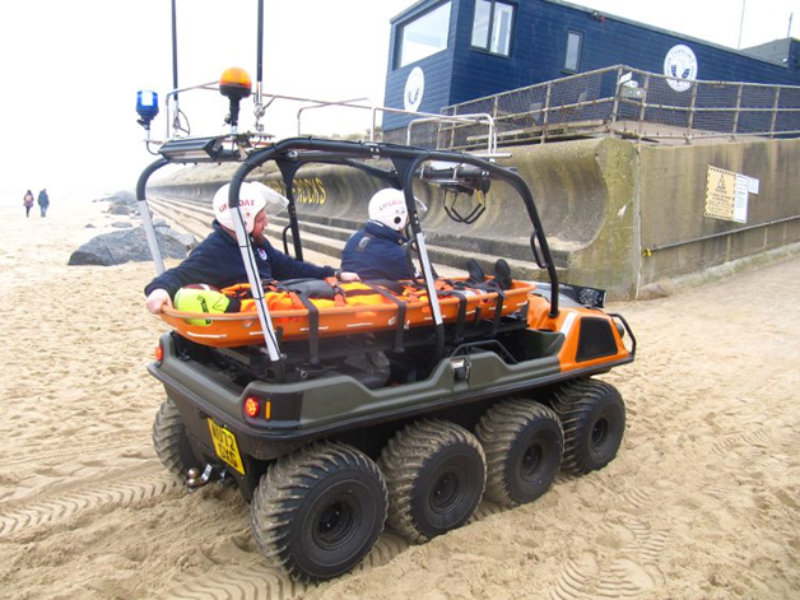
{"type": "Point", "coordinates": [175, 58]}
{"type": "Point", "coordinates": [174, 49]}
{"type": "Point", "coordinates": [260, 49]}
{"type": "Point", "coordinates": [259, 108]}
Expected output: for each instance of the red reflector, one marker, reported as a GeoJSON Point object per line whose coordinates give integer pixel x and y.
{"type": "Point", "coordinates": [159, 352]}
{"type": "Point", "coordinates": [251, 407]}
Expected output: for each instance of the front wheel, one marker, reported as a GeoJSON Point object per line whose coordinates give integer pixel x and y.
{"type": "Point", "coordinates": [593, 416]}
{"type": "Point", "coordinates": [319, 510]}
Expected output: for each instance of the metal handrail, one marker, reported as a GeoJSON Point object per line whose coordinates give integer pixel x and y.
{"type": "Point", "coordinates": [707, 98]}
{"type": "Point", "coordinates": [463, 118]}
{"type": "Point", "coordinates": [314, 103]}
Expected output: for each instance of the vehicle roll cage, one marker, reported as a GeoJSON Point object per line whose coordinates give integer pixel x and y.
{"type": "Point", "coordinates": [292, 153]}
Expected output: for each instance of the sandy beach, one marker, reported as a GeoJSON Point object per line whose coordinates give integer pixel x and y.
{"type": "Point", "coordinates": [703, 500]}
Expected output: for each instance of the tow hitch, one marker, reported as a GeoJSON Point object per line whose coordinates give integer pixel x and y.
{"type": "Point", "coordinates": [194, 479]}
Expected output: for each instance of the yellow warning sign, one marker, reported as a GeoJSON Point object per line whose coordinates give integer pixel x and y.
{"type": "Point", "coordinates": [720, 193]}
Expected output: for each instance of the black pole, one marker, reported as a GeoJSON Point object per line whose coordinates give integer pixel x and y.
{"type": "Point", "coordinates": [260, 49]}
{"type": "Point", "coordinates": [174, 51]}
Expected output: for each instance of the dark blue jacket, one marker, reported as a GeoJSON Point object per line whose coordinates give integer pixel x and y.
{"type": "Point", "coordinates": [217, 261]}
{"type": "Point", "coordinates": [376, 252]}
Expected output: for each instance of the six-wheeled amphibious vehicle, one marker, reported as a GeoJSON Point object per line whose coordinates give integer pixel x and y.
{"type": "Point", "coordinates": [337, 420]}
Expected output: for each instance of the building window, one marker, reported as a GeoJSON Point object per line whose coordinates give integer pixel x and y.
{"type": "Point", "coordinates": [425, 35]}
{"type": "Point", "coordinates": [573, 57]}
{"type": "Point", "coordinates": [491, 29]}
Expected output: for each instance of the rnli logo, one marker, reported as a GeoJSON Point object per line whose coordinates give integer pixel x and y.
{"type": "Point", "coordinates": [680, 67]}
{"type": "Point", "coordinates": [415, 88]}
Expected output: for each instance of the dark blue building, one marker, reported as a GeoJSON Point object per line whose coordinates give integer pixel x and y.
{"type": "Point", "coordinates": [443, 52]}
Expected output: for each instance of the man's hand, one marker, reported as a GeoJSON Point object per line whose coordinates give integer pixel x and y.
{"type": "Point", "coordinates": [347, 276]}
{"type": "Point", "coordinates": [157, 299]}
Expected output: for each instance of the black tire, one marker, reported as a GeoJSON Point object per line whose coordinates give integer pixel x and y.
{"type": "Point", "coordinates": [436, 474]}
{"type": "Point", "coordinates": [523, 442]}
{"type": "Point", "coordinates": [318, 511]}
{"type": "Point", "coordinates": [592, 414]}
{"type": "Point", "coordinates": [170, 440]}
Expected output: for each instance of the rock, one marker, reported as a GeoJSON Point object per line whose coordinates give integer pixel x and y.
{"type": "Point", "coordinates": [123, 197]}
{"type": "Point", "coordinates": [120, 208]}
{"type": "Point", "coordinates": [120, 247]}
{"type": "Point", "coordinates": [121, 224]}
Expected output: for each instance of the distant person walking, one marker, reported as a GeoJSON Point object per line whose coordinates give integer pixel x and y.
{"type": "Point", "coordinates": [27, 201]}
{"type": "Point", "coordinates": [44, 202]}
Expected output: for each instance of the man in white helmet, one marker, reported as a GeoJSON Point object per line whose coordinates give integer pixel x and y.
{"type": "Point", "coordinates": [376, 250]}
{"type": "Point", "coordinates": [217, 260]}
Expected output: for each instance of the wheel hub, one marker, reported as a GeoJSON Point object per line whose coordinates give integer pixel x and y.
{"type": "Point", "coordinates": [445, 492]}
{"type": "Point", "coordinates": [599, 432]}
{"type": "Point", "coordinates": [531, 460]}
{"type": "Point", "coordinates": [335, 524]}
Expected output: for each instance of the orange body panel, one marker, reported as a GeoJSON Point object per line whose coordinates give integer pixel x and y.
{"type": "Point", "coordinates": [568, 322]}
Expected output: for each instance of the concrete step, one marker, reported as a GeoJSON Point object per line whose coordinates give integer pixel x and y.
{"type": "Point", "coordinates": [328, 236]}
{"type": "Point", "coordinates": [181, 216]}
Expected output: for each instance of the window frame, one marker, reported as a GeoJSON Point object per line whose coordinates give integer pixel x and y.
{"type": "Point", "coordinates": [400, 35]}
{"type": "Point", "coordinates": [565, 67]}
{"type": "Point", "coordinates": [487, 48]}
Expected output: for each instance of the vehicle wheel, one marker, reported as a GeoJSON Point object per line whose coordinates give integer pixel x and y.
{"type": "Point", "coordinates": [170, 440]}
{"type": "Point", "coordinates": [523, 442]}
{"type": "Point", "coordinates": [436, 474]}
{"type": "Point", "coordinates": [593, 417]}
{"type": "Point", "coordinates": [319, 510]}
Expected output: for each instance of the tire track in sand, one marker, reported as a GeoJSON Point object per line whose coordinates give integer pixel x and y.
{"type": "Point", "coordinates": [63, 506]}
{"type": "Point", "coordinates": [624, 575]}
{"type": "Point", "coordinates": [253, 579]}
{"type": "Point", "coordinates": [271, 582]}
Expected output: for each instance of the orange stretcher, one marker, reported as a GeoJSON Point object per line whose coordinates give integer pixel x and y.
{"type": "Point", "coordinates": [357, 307]}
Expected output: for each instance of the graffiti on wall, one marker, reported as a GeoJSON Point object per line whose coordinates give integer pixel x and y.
{"type": "Point", "coordinates": [305, 190]}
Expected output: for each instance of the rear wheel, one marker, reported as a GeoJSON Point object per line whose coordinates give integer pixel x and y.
{"type": "Point", "coordinates": [319, 511]}
{"type": "Point", "coordinates": [523, 442]}
{"type": "Point", "coordinates": [170, 440]}
{"type": "Point", "coordinates": [436, 473]}
{"type": "Point", "coordinates": [592, 414]}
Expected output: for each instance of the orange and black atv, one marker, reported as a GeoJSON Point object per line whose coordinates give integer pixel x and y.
{"type": "Point", "coordinates": [336, 433]}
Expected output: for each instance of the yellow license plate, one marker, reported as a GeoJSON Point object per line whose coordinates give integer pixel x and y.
{"type": "Point", "coordinates": [225, 446]}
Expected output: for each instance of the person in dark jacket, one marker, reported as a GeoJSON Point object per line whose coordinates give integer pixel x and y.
{"type": "Point", "coordinates": [44, 202]}
{"type": "Point", "coordinates": [376, 250]}
{"type": "Point", "coordinates": [217, 260]}
{"type": "Point", "coordinates": [27, 202]}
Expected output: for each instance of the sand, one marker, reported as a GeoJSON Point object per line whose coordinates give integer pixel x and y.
{"type": "Point", "coordinates": [703, 500]}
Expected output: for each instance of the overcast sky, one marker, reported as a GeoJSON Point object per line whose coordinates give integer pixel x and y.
{"type": "Point", "coordinates": [70, 69]}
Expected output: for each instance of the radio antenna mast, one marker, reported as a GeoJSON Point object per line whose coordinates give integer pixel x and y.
{"type": "Point", "coordinates": [175, 61]}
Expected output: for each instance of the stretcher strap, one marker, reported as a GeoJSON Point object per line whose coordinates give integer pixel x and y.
{"type": "Point", "coordinates": [498, 310]}
{"type": "Point", "coordinates": [462, 311]}
{"type": "Point", "coordinates": [313, 328]}
{"type": "Point", "coordinates": [401, 315]}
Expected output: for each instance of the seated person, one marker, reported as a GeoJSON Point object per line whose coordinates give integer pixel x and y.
{"type": "Point", "coordinates": [217, 260]}
{"type": "Point", "coordinates": [376, 250]}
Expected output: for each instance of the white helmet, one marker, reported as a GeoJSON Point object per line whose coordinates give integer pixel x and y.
{"type": "Point", "coordinates": [253, 198]}
{"type": "Point", "coordinates": [388, 206]}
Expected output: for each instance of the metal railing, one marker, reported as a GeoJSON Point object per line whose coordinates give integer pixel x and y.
{"type": "Point", "coordinates": [177, 122]}
{"type": "Point", "coordinates": [623, 101]}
